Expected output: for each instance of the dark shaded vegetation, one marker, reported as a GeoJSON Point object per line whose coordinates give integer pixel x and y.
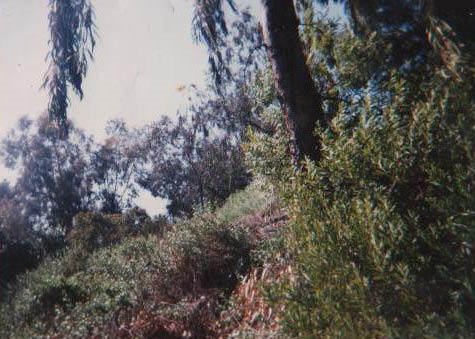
{"type": "Point", "coordinates": [94, 230]}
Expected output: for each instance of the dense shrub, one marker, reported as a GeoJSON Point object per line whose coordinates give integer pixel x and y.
{"type": "Point", "coordinates": [15, 258]}
{"type": "Point", "coordinates": [202, 254]}
{"type": "Point", "coordinates": [75, 293]}
{"type": "Point", "coordinates": [93, 230]}
{"type": "Point", "coordinates": [383, 226]}
{"type": "Point", "coordinates": [22, 249]}
{"type": "Point", "coordinates": [82, 293]}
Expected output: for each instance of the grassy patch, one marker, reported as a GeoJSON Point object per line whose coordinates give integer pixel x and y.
{"type": "Point", "coordinates": [256, 197]}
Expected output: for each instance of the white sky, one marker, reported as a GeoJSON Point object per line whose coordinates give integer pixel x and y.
{"type": "Point", "coordinates": [143, 53]}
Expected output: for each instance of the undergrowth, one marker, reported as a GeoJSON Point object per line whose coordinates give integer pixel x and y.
{"type": "Point", "coordinates": [86, 292]}
{"type": "Point", "coordinates": [381, 229]}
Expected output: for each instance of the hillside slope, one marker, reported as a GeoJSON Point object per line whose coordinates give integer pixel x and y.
{"type": "Point", "coordinates": [185, 283]}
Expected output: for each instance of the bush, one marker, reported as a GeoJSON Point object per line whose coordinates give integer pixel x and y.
{"type": "Point", "coordinates": [203, 254]}
{"type": "Point", "coordinates": [383, 226]}
{"type": "Point", "coordinates": [76, 292]}
{"type": "Point", "coordinates": [93, 230]}
{"type": "Point", "coordinates": [82, 293]}
{"type": "Point", "coordinates": [16, 258]}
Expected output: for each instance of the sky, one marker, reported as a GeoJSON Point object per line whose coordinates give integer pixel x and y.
{"type": "Point", "coordinates": [144, 53]}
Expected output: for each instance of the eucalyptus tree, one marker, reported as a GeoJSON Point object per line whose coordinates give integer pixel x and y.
{"type": "Point", "coordinates": [54, 181]}
{"type": "Point", "coordinates": [114, 166]}
{"type": "Point", "coordinates": [191, 164]}
{"type": "Point", "coordinates": [72, 41]}
{"type": "Point", "coordinates": [406, 25]}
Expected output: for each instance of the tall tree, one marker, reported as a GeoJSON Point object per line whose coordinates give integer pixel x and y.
{"type": "Point", "coordinates": [114, 167]}
{"type": "Point", "coordinates": [191, 164]}
{"type": "Point", "coordinates": [300, 101]}
{"type": "Point", "coordinates": [405, 23]}
{"type": "Point", "coordinates": [54, 182]}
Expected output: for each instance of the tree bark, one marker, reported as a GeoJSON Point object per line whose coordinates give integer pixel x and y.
{"type": "Point", "coordinates": [299, 98]}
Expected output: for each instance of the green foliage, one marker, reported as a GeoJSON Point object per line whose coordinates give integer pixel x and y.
{"type": "Point", "coordinates": [114, 166]}
{"type": "Point", "coordinates": [16, 257]}
{"type": "Point", "coordinates": [80, 292]}
{"type": "Point", "coordinates": [203, 253]}
{"type": "Point", "coordinates": [192, 163]}
{"type": "Point", "coordinates": [54, 182]}
{"type": "Point", "coordinates": [93, 230]}
{"type": "Point", "coordinates": [72, 41]}
{"type": "Point", "coordinates": [74, 293]}
{"type": "Point", "coordinates": [253, 198]}
{"type": "Point", "coordinates": [382, 227]}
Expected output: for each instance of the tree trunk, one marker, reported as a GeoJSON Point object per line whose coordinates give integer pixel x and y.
{"type": "Point", "coordinates": [300, 101]}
